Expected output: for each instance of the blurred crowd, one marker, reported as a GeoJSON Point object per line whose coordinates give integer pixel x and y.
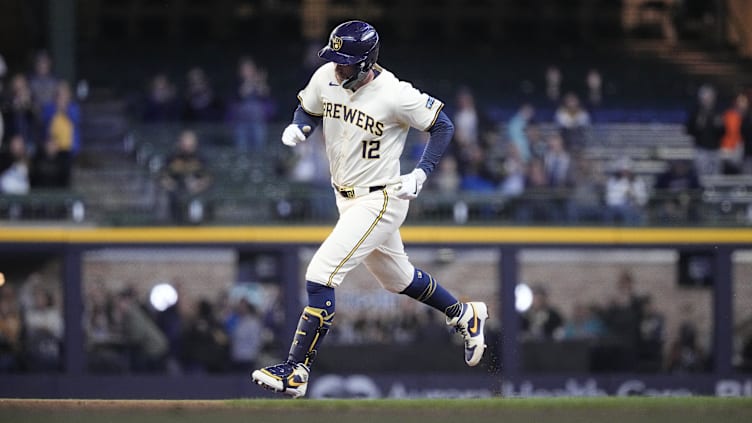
{"type": "Point", "coordinates": [31, 326]}
{"type": "Point", "coordinates": [39, 129]}
{"type": "Point", "coordinates": [543, 168]}
{"type": "Point", "coordinates": [125, 333]}
{"type": "Point", "coordinates": [538, 163]}
{"type": "Point", "coordinates": [625, 332]}
{"type": "Point", "coordinates": [535, 160]}
{"type": "Point", "coordinates": [247, 108]}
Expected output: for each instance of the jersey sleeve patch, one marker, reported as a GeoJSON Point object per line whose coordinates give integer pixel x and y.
{"type": "Point", "coordinates": [414, 108]}
{"type": "Point", "coordinates": [430, 102]}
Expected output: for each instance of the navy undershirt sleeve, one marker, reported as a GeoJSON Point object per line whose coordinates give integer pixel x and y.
{"type": "Point", "coordinates": [302, 118]}
{"type": "Point", "coordinates": [441, 133]}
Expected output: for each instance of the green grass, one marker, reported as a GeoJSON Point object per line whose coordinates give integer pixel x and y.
{"type": "Point", "coordinates": [533, 410]}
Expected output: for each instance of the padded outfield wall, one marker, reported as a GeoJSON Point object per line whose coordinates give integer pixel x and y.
{"type": "Point", "coordinates": [573, 263]}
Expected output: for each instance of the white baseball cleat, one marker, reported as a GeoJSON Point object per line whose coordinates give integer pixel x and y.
{"type": "Point", "coordinates": [470, 324]}
{"type": "Point", "coordinates": [287, 378]}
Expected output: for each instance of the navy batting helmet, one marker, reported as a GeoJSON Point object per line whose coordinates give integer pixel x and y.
{"type": "Point", "coordinates": [353, 43]}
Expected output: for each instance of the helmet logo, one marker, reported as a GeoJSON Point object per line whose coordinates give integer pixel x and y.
{"type": "Point", "coordinates": [336, 43]}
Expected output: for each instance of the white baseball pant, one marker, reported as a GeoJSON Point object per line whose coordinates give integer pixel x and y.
{"type": "Point", "coordinates": [367, 232]}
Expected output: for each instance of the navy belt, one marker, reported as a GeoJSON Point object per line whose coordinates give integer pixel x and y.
{"type": "Point", "coordinates": [352, 192]}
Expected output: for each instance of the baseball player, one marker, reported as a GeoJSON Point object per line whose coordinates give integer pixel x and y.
{"type": "Point", "coordinates": [366, 113]}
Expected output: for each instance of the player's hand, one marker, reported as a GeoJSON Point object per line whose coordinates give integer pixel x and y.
{"type": "Point", "coordinates": [294, 134]}
{"type": "Point", "coordinates": [410, 185]}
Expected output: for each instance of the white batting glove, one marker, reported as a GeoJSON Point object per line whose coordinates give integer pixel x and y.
{"type": "Point", "coordinates": [410, 185]}
{"type": "Point", "coordinates": [294, 134]}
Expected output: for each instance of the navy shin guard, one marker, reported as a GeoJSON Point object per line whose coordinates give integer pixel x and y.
{"type": "Point", "coordinates": [313, 325]}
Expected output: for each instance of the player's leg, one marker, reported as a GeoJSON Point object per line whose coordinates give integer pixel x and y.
{"type": "Point", "coordinates": [363, 225]}
{"type": "Point", "coordinates": [291, 377]}
{"type": "Point", "coordinates": [392, 268]}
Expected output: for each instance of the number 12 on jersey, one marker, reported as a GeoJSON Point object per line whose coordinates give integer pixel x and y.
{"type": "Point", "coordinates": [371, 149]}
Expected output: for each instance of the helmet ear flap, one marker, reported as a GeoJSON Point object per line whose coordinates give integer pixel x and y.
{"type": "Point", "coordinates": [359, 76]}
{"type": "Point", "coordinates": [363, 68]}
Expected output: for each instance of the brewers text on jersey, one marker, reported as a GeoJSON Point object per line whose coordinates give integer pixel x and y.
{"type": "Point", "coordinates": [353, 116]}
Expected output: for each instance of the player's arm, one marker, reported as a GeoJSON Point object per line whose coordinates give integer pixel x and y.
{"type": "Point", "coordinates": [441, 131]}
{"type": "Point", "coordinates": [441, 134]}
{"type": "Point", "coordinates": [303, 124]}
{"type": "Point", "coordinates": [303, 118]}
{"type": "Point", "coordinates": [308, 115]}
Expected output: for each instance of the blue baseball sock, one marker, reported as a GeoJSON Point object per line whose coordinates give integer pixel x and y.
{"type": "Point", "coordinates": [321, 297]}
{"type": "Point", "coordinates": [425, 289]}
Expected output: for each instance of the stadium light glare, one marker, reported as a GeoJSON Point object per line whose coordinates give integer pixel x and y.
{"type": "Point", "coordinates": [163, 296]}
{"type": "Point", "coordinates": [523, 297]}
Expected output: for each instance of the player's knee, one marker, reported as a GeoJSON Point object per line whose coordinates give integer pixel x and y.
{"type": "Point", "coordinates": [396, 283]}
{"type": "Point", "coordinates": [320, 296]}
{"type": "Point", "coordinates": [317, 275]}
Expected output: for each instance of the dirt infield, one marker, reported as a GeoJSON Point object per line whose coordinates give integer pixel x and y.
{"type": "Point", "coordinates": [536, 410]}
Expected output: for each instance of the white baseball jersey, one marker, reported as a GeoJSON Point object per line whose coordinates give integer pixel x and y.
{"type": "Point", "coordinates": [365, 131]}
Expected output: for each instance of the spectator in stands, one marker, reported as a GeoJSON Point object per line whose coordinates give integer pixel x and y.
{"type": "Point", "coordinates": [494, 152]}
{"type": "Point", "coordinates": [517, 131]}
{"type": "Point", "coordinates": [14, 167]}
{"type": "Point", "coordinates": [535, 175]}
{"type": "Point", "coordinates": [626, 195]}
{"type": "Point", "coordinates": [541, 320]}
{"type": "Point", "coordinates": [594, 84]}
{"type": "Point", "coordinates": [246, 337]}
{"type": "Point", "coordinates": [43, 82]}
{"type": "Point", "coordinates": [573, 122]}
{"type": "Point", "coordinates": [3, 71]}
{"type": "Point", "coordinates": [447, 178]}
{"type": "Point", "coordinates": [466, 131]}
{"type": "Point", "coordinates": [185, 177]}
{"type": "Point", "coordinates": [557, 163]}
{"type": "Point", "coordinates": [105, 349]}
{"type": "Point", "coordinates": [743, 333]}
{"type": "Point", "coordinates": [584, 324]}
{"type": "Point", "coordinates": [205, 343]}
{"type": "Point", "coordinates": [10, 329]}
{"type": "Point", "coordinates": [651, 339]}
{"type": "Point", "coordinates": [553, 83]}
{"type": "Point", "coordinates": [19, 114]}
{"type": "Point", "coordinates": [49, 168]}
{"type": "Point", "coordinates": [585, 203]}
{"type": "Point", "coordinates": [746, 130]}
{"type": "Point", "coordinates": [558, 169]}
{"type": "Point", "coordinates": [250, 109]}
{"type": "Point", "coordinates": [476, 177]}
{"type": "Point", "coordinates": [170, 322]}
{"type": "Point", "coordinates": [535, 204]}
{"type": "Point", "coordinates": [675, 189]}
{"type": "Point", "coordinates": [62, 118]}
{"type": "Point", "coordinates": [705, 125]}
{"type": "Point", "coordinates": [685, 354]}
{"type": "Point", "coordinates": [161, 103]}
{"type": "Point", "coordinates": [623, 315]}
{"type": "Point", "coordinates": [146, 344]}
{"type": "Point", "coordinates": [43, 331]}
{"type": "Point", "coordinates": [201, 102]}
{"type": "Point", "coordinates": [515, 169]}
{"type": "Point", "coordinates": [732, 142]}
{"type": "Point", "coordinates": [537, 141]}
{"type": "Point", "coordinates": [746, 355]}
{"type": "Point", "coordinates": [466, 118]}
